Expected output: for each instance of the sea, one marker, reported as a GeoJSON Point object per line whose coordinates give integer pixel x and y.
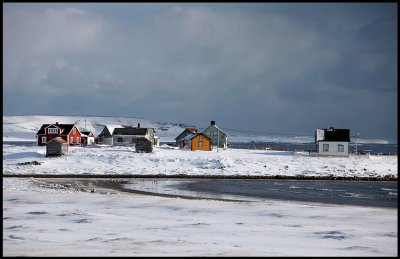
{"type": "Point", "coordinates": [373, 149]}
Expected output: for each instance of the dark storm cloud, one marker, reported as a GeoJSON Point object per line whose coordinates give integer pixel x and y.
{"type": "Point", "coordinates": [272, 67]}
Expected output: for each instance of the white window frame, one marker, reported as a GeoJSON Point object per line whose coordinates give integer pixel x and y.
{"type": "Point", "coordinates": [215, 133]}
{"type": "Point", "coordinates": [71, 140]}
{"type": "Point", "coordinates": [200, 144]}
{"type": "Point", "coordinates": [44, 140]}
{"type": "Point", "coordinates": [340, 148]}
{"type": "Point", "coordinates": [325, 147]}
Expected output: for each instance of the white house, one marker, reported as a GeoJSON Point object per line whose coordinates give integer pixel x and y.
{"type": "Point", "coordinates": [87, 138]}
{"type": "Point", "coordinates": [125, 135]}
{"type": "Point", "coordinates": [106, 135]}
{"type": "Point", "coordinates": [332, 142]}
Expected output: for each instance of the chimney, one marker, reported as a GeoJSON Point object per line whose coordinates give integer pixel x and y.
{"type": "Point", "coordinates": [57, 123]}
{"type": "Point", "coordinates": [212, 122]}
{"type": "Point", "coordinates": [138, 125]}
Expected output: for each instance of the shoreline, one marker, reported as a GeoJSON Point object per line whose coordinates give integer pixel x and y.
{"type": "Point", "coordinates": [183, 176]}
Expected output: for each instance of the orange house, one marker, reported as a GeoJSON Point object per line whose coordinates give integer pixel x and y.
{"type": "Point", "coordinates": [198, 141]}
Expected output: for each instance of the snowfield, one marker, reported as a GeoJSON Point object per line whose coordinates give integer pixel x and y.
{"type": "Point", "coordinates": [52, 221]}
{"type": "Point", "coordinates": [112, 160]}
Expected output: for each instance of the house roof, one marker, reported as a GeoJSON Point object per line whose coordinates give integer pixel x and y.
{"type": "Point", "coordinates": [332, 134]}
{"type": "Point", "coordinates": [191, 130]}
{"type": "Point", "coordinates": [188, 131]}
{"type": "Point", "coordinates": [192, 136]}
{"type": "Point", "coordinates": [66, 128]}
{"type": "Point", "coordinates": [86, 133]}
{"type": "Point", "coordinates": [216, 128]}
{"type": "Point", "coordinates": [130, 131]}
{"type": "Point", "coordinates": [110, 129]}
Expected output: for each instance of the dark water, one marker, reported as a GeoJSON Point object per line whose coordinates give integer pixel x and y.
{"type": "Point", "coordinates": [384, 149]}
{"type": "Point", "coordinates": [361, 193]}
{"type": "Point", "coordinates": [378, 194]}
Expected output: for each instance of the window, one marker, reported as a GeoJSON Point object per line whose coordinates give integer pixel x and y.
{"type": "Point", "coordinates": [44, 140]}
{"type": "Point", "coordinates": [215, 133]}
{"type": "Point", "coordinates": [201, 144]}
{"type": "Point", "coordinates": [133, 140]}
{"type": "Point", "coordinates": [325, 147]}
{"type": "Point", "coordinates": [119, 139]}
{"type": "Point", "coordinates": [74, 130]}
{"type": "Point", "coordinates": [72, 140]}
{"type": "Point", "coordinates": [340, 148]}
{"type": "Point", "coordinates": [52, 131]}
{"type": "Point", "coordinates": [77, 139]}
{"type": "Point", "coordinates": [200, 137]}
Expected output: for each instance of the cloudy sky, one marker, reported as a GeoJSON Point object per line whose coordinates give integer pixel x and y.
{"type": "Point", "coordinates": [287, 68]}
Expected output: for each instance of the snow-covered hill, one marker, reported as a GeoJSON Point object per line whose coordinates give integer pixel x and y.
{"type": "Point", "coordinates": [24, 128]}
{"type": "Point", "coordinates": [20, 128]}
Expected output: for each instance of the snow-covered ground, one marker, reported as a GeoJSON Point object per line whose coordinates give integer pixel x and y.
{"type": "Point", "coordinates": [166, 161]}
{"type": "Point", "coordinates": [54, 221]}
{"type": "Point", "coordinates": [44, 220]}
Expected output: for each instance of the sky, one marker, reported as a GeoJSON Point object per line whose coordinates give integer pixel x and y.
{"type": "Point", "coordinates": [270, 67]}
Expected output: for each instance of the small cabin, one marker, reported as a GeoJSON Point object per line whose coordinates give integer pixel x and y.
{"type": "Point", "coordinates": [143, 145]}
{"type": "Point", "coordinates": [57, 147]}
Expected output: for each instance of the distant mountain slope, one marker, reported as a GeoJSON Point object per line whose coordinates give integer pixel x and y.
{"type": "Point", "coordinates": [24, 128]}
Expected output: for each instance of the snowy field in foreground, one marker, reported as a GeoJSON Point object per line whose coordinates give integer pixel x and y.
{"type": "Point", "coordinates": [40, 221]}
{"type": "Point", "coordinates": [166, 161]}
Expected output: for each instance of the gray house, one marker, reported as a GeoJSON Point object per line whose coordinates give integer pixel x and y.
{"type": "Point", "coordinates": [180, 139]}
{"type": "Point", "coordinates": [57, 147]}
{"type": "Point", "coordinates": [219, 138]}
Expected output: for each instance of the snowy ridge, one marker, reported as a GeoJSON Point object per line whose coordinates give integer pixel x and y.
{"type": "Point", "coordinates": [24, 128]}
{"type": "Point", "coordinates": [20, 128]}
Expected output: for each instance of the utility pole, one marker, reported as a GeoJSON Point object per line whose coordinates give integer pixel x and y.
{"type": "Point", "coordinates": [356, 141]}
{"type": "Point", "coordinates": [218, 141]}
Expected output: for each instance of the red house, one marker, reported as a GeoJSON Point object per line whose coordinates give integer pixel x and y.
{"type": "Point", "coordinates": [68, 132]}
